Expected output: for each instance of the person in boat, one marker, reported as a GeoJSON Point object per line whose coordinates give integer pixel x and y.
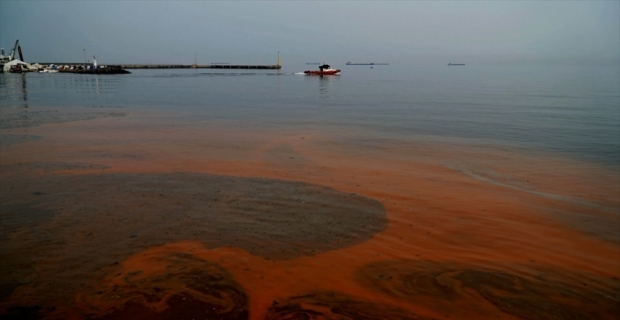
{"type": "Point", "coordinates": [324, 66]}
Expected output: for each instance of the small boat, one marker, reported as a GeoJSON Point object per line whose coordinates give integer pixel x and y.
{"type": "Point", "coordinates": [324, 70]}
{"type": "Point", "coordinates": [17, 68]}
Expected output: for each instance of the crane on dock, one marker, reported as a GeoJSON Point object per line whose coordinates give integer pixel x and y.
{"type": "Point", "coordinates": [5, 59]}
{"type": "Point", "coordinates": [6, 62]}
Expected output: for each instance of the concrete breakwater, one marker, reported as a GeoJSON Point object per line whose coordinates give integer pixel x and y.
{"type": "Point", "coordinates": [199, 66]}
{"type": "Point", "coordinates": [79, 66]}
{"type": "Point", "coordinates": [95, 70]}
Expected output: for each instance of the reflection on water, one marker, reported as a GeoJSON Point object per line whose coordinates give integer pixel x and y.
{"type": "Point", "coordinates": [13, 88]}
{"type": "Point", "coordinates": [34, 89]}
{"type": "Point", "coordinates": [97, 84]}
{"type": "Point", "coordinates": [325, 84]}
{"type": "Point", "coordinates": [24, 91]}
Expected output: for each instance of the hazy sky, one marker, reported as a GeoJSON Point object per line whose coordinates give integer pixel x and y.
{"type": "Point", "coordinates": [253, 32]}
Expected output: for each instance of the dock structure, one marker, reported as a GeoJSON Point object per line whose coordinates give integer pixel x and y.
{"type": "Point", "coordinates": [199, 66]}
{"type": "Point", "coordinates": [102, 70]}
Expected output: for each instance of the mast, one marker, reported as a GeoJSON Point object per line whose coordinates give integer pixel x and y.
{"type": "Point", "coordinates": [19, 50]}
{"type": "Point", "coordinates": [12, 56]}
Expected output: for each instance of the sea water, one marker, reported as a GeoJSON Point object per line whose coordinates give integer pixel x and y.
{"type": "Point", "coordinates": [570, 111]}
{"type": "Point", "coordinates": [391, 192]}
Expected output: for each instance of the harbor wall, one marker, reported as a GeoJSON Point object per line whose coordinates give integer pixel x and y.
{"type": "Point", "coordinates": [205, 66]}
{"type": "Point", "coordinates": [175, 66]}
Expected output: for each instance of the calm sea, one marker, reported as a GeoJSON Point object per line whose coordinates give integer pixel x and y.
{"type": "Point", "coordinates": [566, 111]}
{"type": "Point", "coordinates": [198, 192]}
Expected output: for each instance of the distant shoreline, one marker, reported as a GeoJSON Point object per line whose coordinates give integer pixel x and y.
{"type": "Point", "coordinates": [200, 66]}
{"type": "Point", "coordinates": [175, 66]}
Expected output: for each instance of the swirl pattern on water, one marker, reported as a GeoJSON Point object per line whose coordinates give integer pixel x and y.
{"type": "Point", "coordinates": [207, 290]}
{"type": "Point", "coordinates": [337, 306]}
{"type": "Point", "coordinates": [105, 218]}
{"type": "Point", "coordinates": [553, 294]}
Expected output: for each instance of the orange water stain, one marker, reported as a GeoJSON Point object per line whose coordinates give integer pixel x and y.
{"type": "Point", "coordinates": [492, 208]}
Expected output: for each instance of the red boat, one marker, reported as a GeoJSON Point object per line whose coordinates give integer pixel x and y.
{"type": "Point", "coordinates": [324, 70]}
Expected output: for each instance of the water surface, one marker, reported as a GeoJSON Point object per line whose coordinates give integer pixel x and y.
{"type": "Point", "coordinates": [397, 192]}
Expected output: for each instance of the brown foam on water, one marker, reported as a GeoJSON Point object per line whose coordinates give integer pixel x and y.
{"type": "Point", "coordinates": [106, 217]}
{"type": "Point", "coordinates": [330, 305]}
{"type": "Point", "coordinates": [502, 227]}
{"type": "Point", "coordinates": [175, 286]}
{"type": "Point", "coordinates": [549, 294]}
{"type": "Point", "coordinates": [149, 283]}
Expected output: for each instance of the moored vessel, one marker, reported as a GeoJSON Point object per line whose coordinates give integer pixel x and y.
{"type": "Point", "coordinates": [10, 63]}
